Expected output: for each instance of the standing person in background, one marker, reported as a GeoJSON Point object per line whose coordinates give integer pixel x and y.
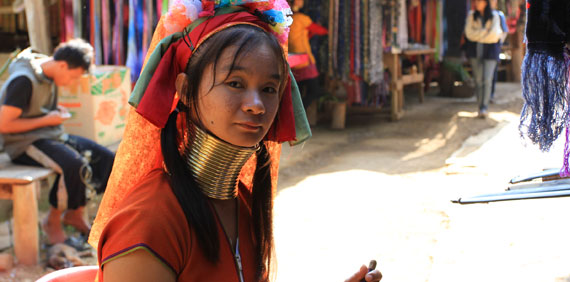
{"type": "Point", "coordinates": [302, 29]}
{"type": "Point", "coordinates": [31, 127]}
{"type": "Point", "coordinates": [482, 33]}
{"type": "Point", "coordinates": [505, 29]}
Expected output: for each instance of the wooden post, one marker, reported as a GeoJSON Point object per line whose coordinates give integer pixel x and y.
{"type": "Point", "coordinates": [26, 236]}
{"type": "Point", "coordinates": [36, 15]}
{"type": "Point", "coordinates": [338, 115]}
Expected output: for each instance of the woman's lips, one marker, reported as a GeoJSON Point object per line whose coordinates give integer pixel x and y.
{"type": "Point", "coordinates": [249, 126]}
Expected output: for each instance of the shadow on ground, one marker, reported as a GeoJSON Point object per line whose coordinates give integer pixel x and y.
{"type": "Point", "coordinates": [427, 135]}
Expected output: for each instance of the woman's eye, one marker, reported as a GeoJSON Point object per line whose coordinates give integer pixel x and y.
{"type": "Point", "coordinates": [270, 90]}
{"type": "Point", "coordinates": [234, 84]}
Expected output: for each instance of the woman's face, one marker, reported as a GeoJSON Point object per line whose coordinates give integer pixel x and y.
{"type": "Point", "coordinates": [242, 105]}
{"type": "Point", "coordinates": [480, 5]}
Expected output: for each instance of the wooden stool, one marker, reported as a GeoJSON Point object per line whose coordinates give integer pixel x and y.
{"type": "Point", "coordinates": [21, 184]}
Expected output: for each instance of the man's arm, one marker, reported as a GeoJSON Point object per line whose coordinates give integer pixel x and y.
{"type": "Point", "coordinates": [18, 95]}
{"type": "Point", "coordinates": [10, 121]}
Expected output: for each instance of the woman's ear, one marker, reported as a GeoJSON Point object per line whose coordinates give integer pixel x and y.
{"type": "Point", "coordinates": [182, 84]}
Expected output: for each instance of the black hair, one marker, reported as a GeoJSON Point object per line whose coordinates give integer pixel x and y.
{"type": "Point", "coordinates": [487, 14]}
{"type": "Point", "coordinates": [76, 53]}
{"type": "Point", "coordinates": [195, 205]}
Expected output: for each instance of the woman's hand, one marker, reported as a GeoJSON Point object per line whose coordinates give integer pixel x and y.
{"type": "Point", "coordinates": [363, 273]}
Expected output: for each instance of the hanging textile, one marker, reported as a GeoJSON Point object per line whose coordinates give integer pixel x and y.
{"type": "Point", "coordinates": [513, 13]}
{"type": "Point", "coordinates": [86, 20]}
{"type": "Point", "coordinates": [365, 39]}
{"type": "Point", "coordinates": [118, 36]}
{"type": "Point", "coordinates": [132, 54]}
{"type": "Point", "coordinates": [96, 30]}
{"type": "Point", "coordinates": [402, 40]}
{"type": "Point", "coordinates": [455, 12]}
{"type": "Point", "coordinates": [77, 19]}
{"type": "Point", "coordinates": [147, 25]}
{"type": "Point", "coordinates": [106, 31]}
{"type": "Point", "coordinates": [355, 47]}
{"type": "Point", "coordinates": [139, 35]}
{"type": "Point", "coordinates": [545, 75]}
{"type": "Point", "coordinates": [415, 21]}
{"type": "Point", "coordinates": [68, 19]}
{"type": "Point", "coordinates": [439, 45]}
{"type": "Point", "coordinates": [375, 66]}
{"type": "Point", "coordinates": [332, 38]}
{"type": "Point", "coordinates": [164, 6]}
{"type": "Point", "coordinates": [119, 30]}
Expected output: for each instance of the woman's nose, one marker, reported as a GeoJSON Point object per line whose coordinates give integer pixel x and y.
{"type": "Point", "coordinates": [253, 103]}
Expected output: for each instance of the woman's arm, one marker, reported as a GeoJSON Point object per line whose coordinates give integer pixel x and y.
{"type": "Point", "coordinates": [137, 266]}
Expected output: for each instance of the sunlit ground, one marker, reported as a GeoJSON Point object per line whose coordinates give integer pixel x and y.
{"type": "Point", "coordinates": [329, 224]}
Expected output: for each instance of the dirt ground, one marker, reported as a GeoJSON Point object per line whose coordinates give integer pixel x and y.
{"type": "Point", "coordinates": [382, 190]}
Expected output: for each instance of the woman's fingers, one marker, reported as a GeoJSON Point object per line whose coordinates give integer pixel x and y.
{"type": "Point", "coordinates": [374, 275]}
{"type": "Point", "coordinates": [363, 273]}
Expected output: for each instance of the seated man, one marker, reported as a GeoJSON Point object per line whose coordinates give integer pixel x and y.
{"type": "Point", "coordinates": [31, 127]}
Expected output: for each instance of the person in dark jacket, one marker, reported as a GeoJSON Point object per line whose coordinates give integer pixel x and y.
{"type": "Point", "coordinates": [483, 33]}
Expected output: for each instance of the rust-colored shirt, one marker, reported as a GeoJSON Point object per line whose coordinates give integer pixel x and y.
{"type": "Point", "coordinates": [151, 218]}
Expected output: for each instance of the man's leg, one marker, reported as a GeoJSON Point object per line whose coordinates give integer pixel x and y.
{"type": "Point", "coordinates": [101, 160]}
{"type": "Point", "coordinates": [68, 191]}
{"type": "Point", "coordinates": [100, 165]}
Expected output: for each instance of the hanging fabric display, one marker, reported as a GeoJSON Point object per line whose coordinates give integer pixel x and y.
{"type": "Point", "coordinates": [415, 21]}
{"type": "Point", "coordinates": [77, 19]}
{"type": "Point", "coordinates": [365, 39]}
{"type": "Point", "coordinates": [96, 30]}
{"type": "Point", "coordinates": [402, 39]}
{"type": "Point", "coordinates": [375, 66]}
{"type": "Point", "coordinates": [118, 36]}
{"type": "Point", "coordinates": [119, 30]}
{"type": "Point", "coordinates": [148, 27]}
{"type": "Point", "coordinates": [106, 31]}
{"type": "Point", "coordinates": [545, 74]}
{"type": "Point", "coordinates": [68, 19]}
{"type": "Point", "coordinates": [355, 46]}
{"type": "Point", "coordinates": [132, 54]}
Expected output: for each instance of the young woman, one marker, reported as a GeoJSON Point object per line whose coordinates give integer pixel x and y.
{"type": "Point", "coordinates": [177, 208]}
{"type": "Point", "coordinates": [483, 32]}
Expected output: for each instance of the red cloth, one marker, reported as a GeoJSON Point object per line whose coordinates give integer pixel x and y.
{"type": "Point", "coordinates": [305, 73]}
{"type": "Point", "coordinates": [150, 218]}
{"type": "Point", "coordinates": [159, 95]}
{"type": "Point", "coordinates": [295, 60]}
{"type": "Point", "coordinates": [283, 129]}
{"type": "Point", "coordinates": [317, 29]}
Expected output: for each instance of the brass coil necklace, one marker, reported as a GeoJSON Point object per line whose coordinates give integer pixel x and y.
{"type": "Point", "coordinates": [216, 164]}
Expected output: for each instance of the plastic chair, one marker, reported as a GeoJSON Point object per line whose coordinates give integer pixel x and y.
{"type": "Point", "coordinates": [72, 274]}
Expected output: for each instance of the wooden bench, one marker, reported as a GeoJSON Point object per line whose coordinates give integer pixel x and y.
{"type": "Point", "coordinates": [21, 184]}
